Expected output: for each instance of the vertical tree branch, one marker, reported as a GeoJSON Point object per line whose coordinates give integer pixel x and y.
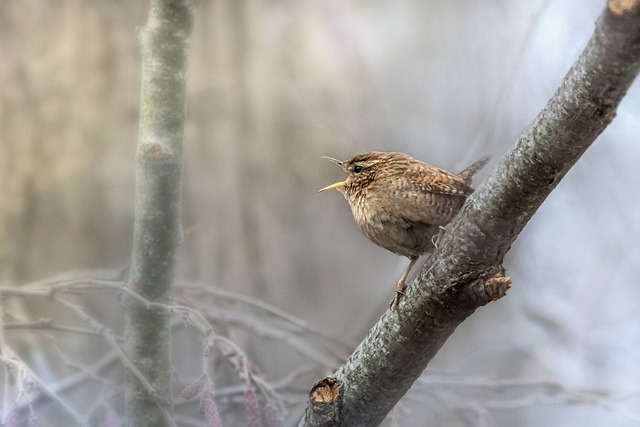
{"type": "Point", "coordinates": [464, 270]}
{"type": "Point", "coordinates": [165, 45]}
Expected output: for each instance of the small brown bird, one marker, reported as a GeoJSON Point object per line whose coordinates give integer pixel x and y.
{"type": "Point", "coordinates": [401, 203]}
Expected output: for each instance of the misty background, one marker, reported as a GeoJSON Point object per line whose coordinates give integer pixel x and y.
{"type": "Point", "coordinates": [272, 87]}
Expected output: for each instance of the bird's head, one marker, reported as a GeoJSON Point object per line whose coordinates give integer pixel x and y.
{"type": "Point", "coordinates": [361, 170]}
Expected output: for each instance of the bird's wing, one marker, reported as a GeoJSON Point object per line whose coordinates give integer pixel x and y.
{"type": "Point", "coordinates": [443, 194]}
{"type": "Point", "coordinates": [436, 180]}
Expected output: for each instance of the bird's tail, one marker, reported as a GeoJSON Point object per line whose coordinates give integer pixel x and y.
{"type": "Point", "coordinates": [471, 170]}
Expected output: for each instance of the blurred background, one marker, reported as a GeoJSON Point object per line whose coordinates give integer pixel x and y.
{"type": "Point", "coordinates": [273, 86]}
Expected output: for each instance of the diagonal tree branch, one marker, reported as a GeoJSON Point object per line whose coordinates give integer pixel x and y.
{"type": "Point", "coordinates": [464, 272]}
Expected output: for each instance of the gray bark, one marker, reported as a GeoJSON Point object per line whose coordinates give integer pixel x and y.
{"type": "Point", "coordinates": [157, 232]}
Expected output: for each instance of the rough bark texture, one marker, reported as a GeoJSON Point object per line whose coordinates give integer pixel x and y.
{"type": "Point", "coordinates": [157, 232]}
{"type": "Point", "coordinates": [452, 284]}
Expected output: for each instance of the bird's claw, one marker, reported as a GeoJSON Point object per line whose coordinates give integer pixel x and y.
{"type": "Point", "coordinates": [400, 287]}
{"type": "Point", "coordinates": [395, 301]}
{"type": "Point", "coordinates": [435, 239]}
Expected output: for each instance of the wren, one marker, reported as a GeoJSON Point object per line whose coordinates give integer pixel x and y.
{"type": "Point", "coordinates": [401, 203]}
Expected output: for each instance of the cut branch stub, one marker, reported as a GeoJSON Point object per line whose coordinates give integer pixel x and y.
{"type": "Point", "coordinates": [324, 398]}
{"type": "Point", "coordinates": [496, 284]}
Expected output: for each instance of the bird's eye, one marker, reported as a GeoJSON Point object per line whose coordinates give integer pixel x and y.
{"type": "Point", "coordinates": [357, 169]}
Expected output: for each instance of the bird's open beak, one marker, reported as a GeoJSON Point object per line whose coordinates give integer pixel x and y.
{"type": "Point", "coordinates": [337, 184]}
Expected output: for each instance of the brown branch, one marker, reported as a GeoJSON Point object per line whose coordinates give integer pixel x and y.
{"type": "Point", "coordinates": [455, 280]}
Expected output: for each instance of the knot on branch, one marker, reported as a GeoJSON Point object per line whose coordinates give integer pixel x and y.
{"type": "Point", "coordinates": [495, 283]}
{"type": "Point", "coordinates": [324, 403]}
{"type": "Point", "coordinates": [621, 7]}
{"type": "Point", "coordinates": [159, 162]}
{"type": "Point", "coordinates": [325, 391]}
{"type": "Point", "coordinates": [155, 153]}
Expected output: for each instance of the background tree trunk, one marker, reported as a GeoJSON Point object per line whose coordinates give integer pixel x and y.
{"type": "Point", "coordinates": [165, 44]}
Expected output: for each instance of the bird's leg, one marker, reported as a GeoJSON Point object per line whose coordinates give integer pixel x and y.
{"type": "Point", "coordinates": [400, 286]}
